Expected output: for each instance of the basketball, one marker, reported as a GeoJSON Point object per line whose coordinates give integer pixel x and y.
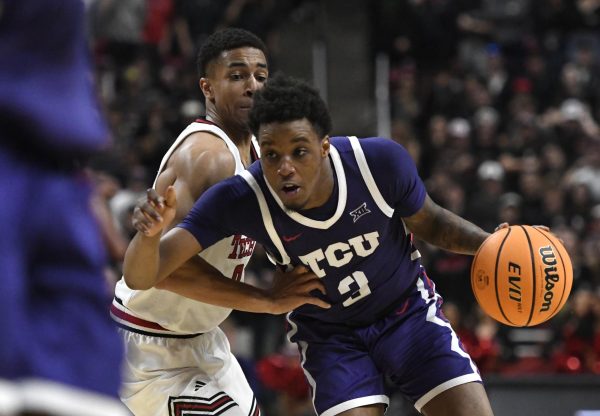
{"type": "Point", "coordinates": [521, 275]}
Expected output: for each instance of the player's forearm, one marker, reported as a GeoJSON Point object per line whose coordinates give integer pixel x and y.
{"type": "Point", "coordinates": [216, 289]}
{"type": "Point", "coordinates": [141, 263]}
{"type": "Point", "coordinates": [442, 228]}
{"type": "Point", "coordinates": [453, 233]}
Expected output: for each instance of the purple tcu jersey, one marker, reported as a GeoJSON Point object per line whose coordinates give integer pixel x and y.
{"type": "Point", "coordinates": [385, 322]}
{"type": "Point", "coordinates": [356, 243]}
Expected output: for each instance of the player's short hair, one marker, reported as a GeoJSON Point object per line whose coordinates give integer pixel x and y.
{"type": "Point", "coordinates": [225, 40]}
{"type": "Point", "coordinates": [286, 99]}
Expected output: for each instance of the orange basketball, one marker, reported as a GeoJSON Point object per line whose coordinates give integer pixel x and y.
{"type": "Point", "coordinates": [521, 275]}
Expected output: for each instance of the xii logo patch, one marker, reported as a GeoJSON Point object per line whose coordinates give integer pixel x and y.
{"type": "Point", "coordinates": [359, 212]}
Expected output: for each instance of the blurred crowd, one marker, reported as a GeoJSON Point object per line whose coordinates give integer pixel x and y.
{"type": "Point", "coordinates": [498, 101]}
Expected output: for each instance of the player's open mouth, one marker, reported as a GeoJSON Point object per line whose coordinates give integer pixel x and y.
{"type": "Point", "coordinates": [290, 189]}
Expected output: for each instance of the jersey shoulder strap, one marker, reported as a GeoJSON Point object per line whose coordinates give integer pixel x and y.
{"type": "Point", "coordinates": [367, 176]}
{"type": "Point", "coordinates": [284, 258]}
{"type": "Point", "coordinates": [197, 127]}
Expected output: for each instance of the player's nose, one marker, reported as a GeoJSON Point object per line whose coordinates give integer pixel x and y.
{"type": "Point", "coordinates": [252, 86]}
{"type": "Point", "coordinates": [286, 168]}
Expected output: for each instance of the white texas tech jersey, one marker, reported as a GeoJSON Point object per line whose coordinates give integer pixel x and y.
{"type": "Point", "coordinates": [160, 312]}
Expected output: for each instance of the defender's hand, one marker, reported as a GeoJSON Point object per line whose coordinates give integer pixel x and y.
{"type": "Point", "coordinates": [541, 227]}
{"type": "Point", "coordinates": [292, 289]}
{"type": "Point", "coordinates": [153, 214]}
{"type": "Point", "coordinates": [501, 226]}
{"type": "Point", "coordinates": [506, 225]}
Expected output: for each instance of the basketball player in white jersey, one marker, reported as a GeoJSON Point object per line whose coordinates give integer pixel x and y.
{"type": "Point", "coordinates": [178, 361]}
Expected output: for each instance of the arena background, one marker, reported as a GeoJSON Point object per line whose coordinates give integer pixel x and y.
{"type": "Point", "coordinates": [497, 101]}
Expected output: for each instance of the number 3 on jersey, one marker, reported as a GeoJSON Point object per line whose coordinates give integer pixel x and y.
{"type": "Point", "coordinates": [358, 278]}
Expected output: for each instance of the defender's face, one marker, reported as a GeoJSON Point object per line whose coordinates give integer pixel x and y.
{"type": "Point", "coordinates": [295, 163]}
{"type": "Point", "coordinates": [232, 79]}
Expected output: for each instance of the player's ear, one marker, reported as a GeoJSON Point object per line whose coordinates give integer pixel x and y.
{"type": "Point", "coordinates": [206, 88]}
{"type": "Point", "coordinates": [325, 144]}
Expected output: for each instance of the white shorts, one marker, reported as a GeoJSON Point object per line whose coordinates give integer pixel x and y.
{"type": "Point", "coordinates": [184, 376]}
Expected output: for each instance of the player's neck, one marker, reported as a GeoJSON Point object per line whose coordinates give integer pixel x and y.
{"type": "Point", "coordinates": [242, 137]}
{"type": "Point", "coordinates": [238, 134]}
{"type": "Point", "coordinates": [328, 180]}
{"type": "Point", "coordinates": [327, 185]}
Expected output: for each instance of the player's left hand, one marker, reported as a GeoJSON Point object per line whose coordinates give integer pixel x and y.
{"type": "Point", "coordinates": [153, 214]}
{"type": "Point", "coordinates": [506, 225]}
{"type": "Point", "coordinates": [501, 226]}
{"type": "Point", "coordinates": [292, 289]}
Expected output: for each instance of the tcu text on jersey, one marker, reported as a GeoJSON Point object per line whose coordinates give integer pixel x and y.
{"type": "Point", "coordinates": [341, 253]}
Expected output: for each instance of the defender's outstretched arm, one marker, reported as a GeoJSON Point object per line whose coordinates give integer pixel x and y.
{"type": "Point", "coordinates": [150, 258]}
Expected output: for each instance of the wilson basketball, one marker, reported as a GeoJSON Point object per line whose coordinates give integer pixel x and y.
{"type": "Point", "coordinates": [521, 275]}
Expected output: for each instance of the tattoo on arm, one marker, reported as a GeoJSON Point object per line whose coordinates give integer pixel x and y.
{"type": "Point", "coordinates": [442, 228]}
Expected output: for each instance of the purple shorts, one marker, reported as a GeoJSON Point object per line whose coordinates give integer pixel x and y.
{"type": "Point", "coordinates": [54, 300]}
{"type": "Point", "coordinates": [413, 346]}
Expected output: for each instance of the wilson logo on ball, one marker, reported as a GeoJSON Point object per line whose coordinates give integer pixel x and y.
{"type": "Point", "coordinates": [550, 275]}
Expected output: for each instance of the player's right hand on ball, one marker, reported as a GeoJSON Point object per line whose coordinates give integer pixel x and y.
{"type": "Point", "coordinates": [293, 289]}
{"type": "Point", "coordinates": [152, 214]}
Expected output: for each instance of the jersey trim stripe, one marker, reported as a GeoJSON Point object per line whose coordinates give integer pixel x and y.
{"type": "Point", "coordinates": [191, 405]}
{"type": "Point", "coordinates": [454, 345]}
{"type": "Point", "coordinates": [50, 397]}
{"type": "Point", "coordinates": [266, 216]}
{"type": "Point", "coordinates": [10, 398]}
{"type": "Point", "coordinates": [342, 197]}
{"type": "Point", "coordinates": [414, 254]}
{"type": "Point", "coordinates": [358, 402]}
{"type": "Point", "coordinates": [255, 149]}
{"type": "Point", "coordinates": [467, 378]}
{"type": "Point", "coordinates": [141, 326]}
{"type": "Point", "coordinates": [254, 409]}
{"type": "Point", "coordinates": [205, 127]}
{"type": "Point", "coordinates": [303, 347]}
{"type": "Point", "coordinates": [368, 177]}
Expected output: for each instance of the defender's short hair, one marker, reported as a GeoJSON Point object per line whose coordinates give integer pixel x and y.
{"type": "Point", "coordinates": [286, 99]}
{"type": "Point", "coordinates": [225, 40]}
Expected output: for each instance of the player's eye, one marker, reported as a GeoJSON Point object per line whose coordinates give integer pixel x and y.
{"type": "Point", "coordinates": [301, 151]}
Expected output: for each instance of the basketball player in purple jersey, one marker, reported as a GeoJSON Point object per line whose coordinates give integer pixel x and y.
{"type": "Point", "coordinates": [346, 208]}
{"type": "Point", "coordinates": [60, 353]}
